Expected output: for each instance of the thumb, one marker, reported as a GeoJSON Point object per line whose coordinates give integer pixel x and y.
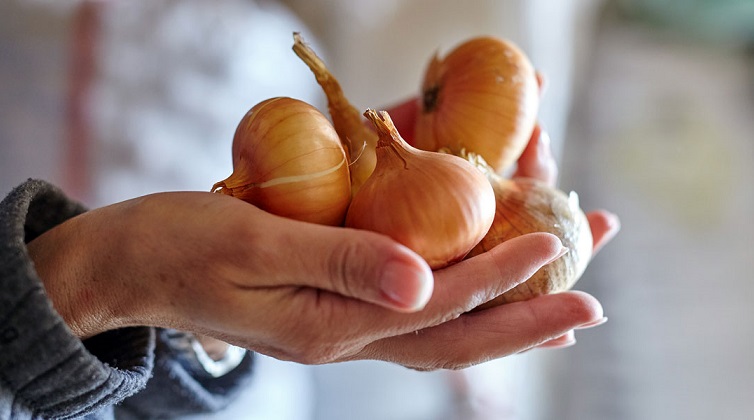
{"type": "Point", "coordinates": [359, 264]}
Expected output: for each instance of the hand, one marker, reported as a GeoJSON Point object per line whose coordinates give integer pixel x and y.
{"type": "Point", "coordinates": [214, 265]}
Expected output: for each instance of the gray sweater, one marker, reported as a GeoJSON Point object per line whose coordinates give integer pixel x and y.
{"type": "Point", "coordinates": [47, 372]}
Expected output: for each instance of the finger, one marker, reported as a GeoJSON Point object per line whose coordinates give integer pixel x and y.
{"type": "Point", "coordinates": [466, 285]}
{"type": "Point", "coordinates": [537, 160]}
{"type": "Point", "coordinates": [458, 289]}
{"type": "Point", "coordinates": [490, 334]}
{"type": "Point", "coordinates": [569, 339]}
{"type": "Point", "coordinates": [496, 271]}
{"type": "Point", "coordinates": [358, 264]}
{"type": "Point", "coordinates": [604, 225]}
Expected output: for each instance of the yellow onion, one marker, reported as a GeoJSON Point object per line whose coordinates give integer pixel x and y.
{"type": "Point", "coordinates": [436, 204]}
{"type": "Point", "coordinates": [358, 139]}
{"type": "Point", "coordinates": [527, 205]}
{"type": "Point", "coordinates": [481, 97]}
{"type": "Point", "coordinates": [288, 160]}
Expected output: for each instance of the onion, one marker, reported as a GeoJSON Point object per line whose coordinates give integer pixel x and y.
{"type": "Point", "coordinates": [358, 139]}
{"type": "Point", "coordinates": [527, 205]}
{"type": "Point", "coordinates": [436, 204]}
{"type": "Point", "coordinates": [288, 160]}
{"type": "Point", "coordinates": [482, 97]}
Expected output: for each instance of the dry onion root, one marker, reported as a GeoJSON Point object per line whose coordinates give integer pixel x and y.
{"type": "Point", "coordinates": [483, 97]}
{"type": "Point", "coordinates": [526, 205]}
{"type": "Point", "coordinates": [438, 205]}
{"type": "Point", "coordinates": [288, 160]}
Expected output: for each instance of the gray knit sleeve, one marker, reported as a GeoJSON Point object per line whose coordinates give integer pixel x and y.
{"type": "Point", "coordinates": [45, 370]}
{"type": "Point", "coordinates": [180, 387]}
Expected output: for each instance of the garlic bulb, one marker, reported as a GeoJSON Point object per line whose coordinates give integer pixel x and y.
{"type": "Point", "coordinates": [438, 205]}
{"type": "Point", "coordinates": [288, 160]}
{"type": "Point", "coordinates": [526, 205]}
{"type": "Point", "coordinates": [482, 97]}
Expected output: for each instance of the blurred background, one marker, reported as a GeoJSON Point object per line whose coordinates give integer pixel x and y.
{"type": "Point", "coordinates": [650, 105]}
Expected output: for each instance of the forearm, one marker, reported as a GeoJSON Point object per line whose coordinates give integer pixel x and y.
{"type": "Point", "coordinates": [95, 271]}
{"type": "Point", "coordinates": [67, 273]}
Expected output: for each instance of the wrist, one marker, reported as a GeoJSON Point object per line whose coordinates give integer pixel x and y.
{"type": "Point", "coordinates": [64, 259]}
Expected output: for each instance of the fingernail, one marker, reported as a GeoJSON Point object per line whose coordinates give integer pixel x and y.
{"type": "Point", "coordinates": [406, 286]}
{"type": "Point", "coordinates": [564, 344]}
{"type": "Point", "coordinates": [564, 250]}
{"type": "Point", "coordinates": [593, 324]}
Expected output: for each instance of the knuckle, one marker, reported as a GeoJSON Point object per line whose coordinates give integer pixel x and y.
{"type": "Point", "coordinates": [349, 264]}
{"type": "Point", "coordinates": [445, 364]}
{"type": "Point", "coordinates": [311, 355]}
{"type": "Point", "coordinates": [317, 351]}
{"type": "Point", "coordinates": [458, 361]}
{"type": "Point", "coordinates": [320, 339]}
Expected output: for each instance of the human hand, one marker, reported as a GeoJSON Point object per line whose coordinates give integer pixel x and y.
{"type": "Point", "coordinates": [214, 265]}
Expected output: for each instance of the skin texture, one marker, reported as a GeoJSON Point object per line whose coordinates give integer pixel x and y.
{"type": "Point", "coordinates": [223, 269]}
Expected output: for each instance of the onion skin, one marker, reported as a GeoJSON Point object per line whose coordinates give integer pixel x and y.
{"type": "Point", "coordinates": [438, 205]}
{"type": "Point", "coordinates": [288, 161]}
{"type": "Point", "coordinates": [482, 97]}
{"type": "Point", "coordinates": [526, 205]}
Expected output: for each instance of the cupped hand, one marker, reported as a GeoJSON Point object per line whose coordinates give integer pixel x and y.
{"type": "Point", "coordinates": [214, 265]}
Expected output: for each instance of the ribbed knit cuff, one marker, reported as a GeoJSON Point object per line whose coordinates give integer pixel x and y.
{"type": "Point", "coordinates": [51, 372]}
{"type": "Point", "coordinates": [183, 387]}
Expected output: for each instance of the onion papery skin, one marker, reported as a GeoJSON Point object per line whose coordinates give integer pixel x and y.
{"type": "Point", "coordinates": [526, 205]}
{"type": "Point", "coordinates": [483, 97]}
{"type": "Point", "coordinates": [438, 205]}
{"type": "Point", "coordinates": [288, 160]}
